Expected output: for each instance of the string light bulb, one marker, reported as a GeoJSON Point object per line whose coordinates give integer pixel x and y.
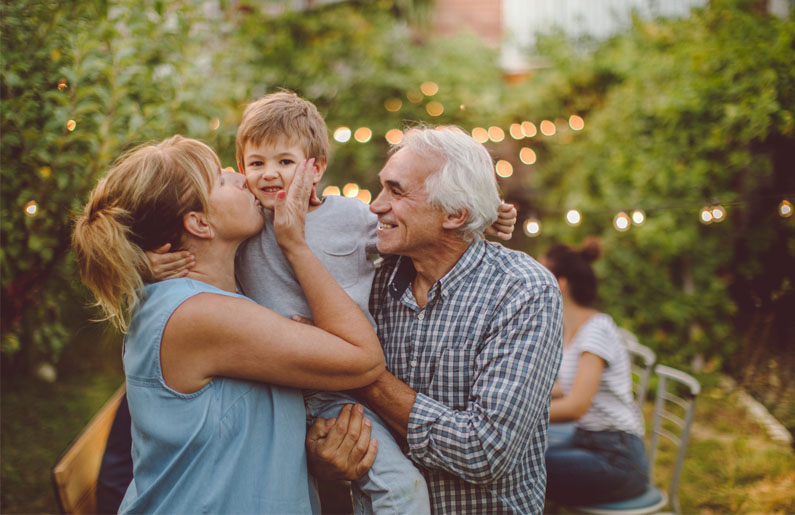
{"type": "Point", "coordinates": [705, 215]}
{"type": "Point", "coordinates": [342, 134]}
{"type": "Point", "coordinates": [718, 213]}
{"type": "Point", "coordinates": [480, 134]}
{"type": "Point", "coordinates": [350, 190]}
{"type": "Point", "coordinates": [532, 227]}
{"type": "Point", "coordinates": [504, 168]}
{"type": "Point", "coordinates": [516, 131]}
{"type": "Point", "coordinates": [638, 216]}
{"type": "Point", "coordinates": [365, 196]}
{"type": "Point", "coordinates": [331, 190]}
{"type": "Point", "coordinates": [31, 208]}
{"type": "Point", "coordinates": [394, 136]}
{"type": "Point", "coordinates": [785, 209]}
{"type": "Point", "coordinates": [622, 222]}
{"type": "Point", "coordinates": [363, 134]}
{"type": "Point", "coordinates": [496, 134]}
{"type": "Point", "coordinates": [573, 217]}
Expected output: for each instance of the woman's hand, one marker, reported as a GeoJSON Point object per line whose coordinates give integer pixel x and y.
{"type": "Point", "coordinates": [169, 265]}
{"type": "Point", "coordinates": [289, 211]}
{"type": "Point", "coordinates": [506, 220]}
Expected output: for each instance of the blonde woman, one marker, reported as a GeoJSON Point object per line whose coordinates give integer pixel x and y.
{"type": "Point", "coordinates": [218, 423]}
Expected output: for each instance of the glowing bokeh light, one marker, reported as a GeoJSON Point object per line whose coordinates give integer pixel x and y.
{"type": "Point", "coordinates": [429, 88]}
{"type": "Point", "coordinates": [70, 125]}
{"type": "Point", "coordinates": [214, 124]}
{"type": "Point", "coordinates": [529, 129]}
{"type": "Point", "coordinates": [496, 134]}
{"type": "Point", "coordinates": [434, 108]}
{"type": "Point", "coordinates": [414, 96]}
{"type": "Point", "coordinates": [548, 128]}
{"type": "Point", "coordinates": [516, 131]}
{"type": "Point", "coordinates": [342, 134]}
{"type": "Point", "coordinates": [638, 216]}
{"type": "Point", "coordinates": [462, 107]}
{"type": "Point", "coordinates": [331, 190]}
{"type": "Point", "coordinates": [705, 215]}
{"type": "Point", "coordinates": [350, 190]}
{"type": "Point", "coordinates": [480, 134]}
{"type": "Point", "coordinates": [363, 134]}
{"type": "Point", "coordinates": [527, 155]}
{"type": "Point", "coordinates": [785, 209]}
{"type": "Point", "coordinates": [718, 213]}
{"type": "Point", "coordinates": [532, 227]}
{"type": "Point", "coordinates": [62, 85]}
{"type": "Point", "coordinates": [504, 168]}
{"type": "Point", "coordinates": [394, 136]}
{"type": "Point", "coordinates": [45, 171]}
{"type": "Point", "coordinates": [229, 169]}
{"type": "Point", "coordinates": [576, 122]}
{"type": "Point", "coordinates": [31, 208]}
{"type": "Point", "coordinates": [621, 222]}
{"type": "Point", "coordinates": [573, 217]}
{"type": "Point", "coordinates": [393, 104]}
{"type": "Point", "coordinates": [365, 196]}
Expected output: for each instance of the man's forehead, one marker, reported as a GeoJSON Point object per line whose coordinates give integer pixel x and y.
{"type": "Point", "coordinates": [406, 166]}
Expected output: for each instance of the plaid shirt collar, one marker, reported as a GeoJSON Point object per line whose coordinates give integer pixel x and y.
{"type": "Point", "coordinates": [405, 273]}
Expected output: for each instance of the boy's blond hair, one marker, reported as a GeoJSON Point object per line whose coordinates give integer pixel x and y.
{"type": "Point", "coordinates": [283, 116]}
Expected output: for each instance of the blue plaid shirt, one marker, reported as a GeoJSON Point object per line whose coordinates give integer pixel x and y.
{"type": "Point", "coordinates": [482, 356]}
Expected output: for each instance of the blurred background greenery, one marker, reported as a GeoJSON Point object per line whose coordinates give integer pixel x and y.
{"type": "Point", "coordinates": [667, 115]}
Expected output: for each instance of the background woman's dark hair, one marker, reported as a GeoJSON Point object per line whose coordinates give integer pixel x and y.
{"type": "Point", "coordinates": [575, 265]}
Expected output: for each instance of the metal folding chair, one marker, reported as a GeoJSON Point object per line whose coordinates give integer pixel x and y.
{"type": "Point", "coordinates": [643, 359]}
{"type": "Point", "coordinates": [673, 415]}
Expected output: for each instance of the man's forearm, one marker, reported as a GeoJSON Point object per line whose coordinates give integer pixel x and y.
{"type": "Point", "coordinates": [391, 398]}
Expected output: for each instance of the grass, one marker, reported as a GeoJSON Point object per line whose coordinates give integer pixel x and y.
{"type": "Point", "coordinates": [732, 466]}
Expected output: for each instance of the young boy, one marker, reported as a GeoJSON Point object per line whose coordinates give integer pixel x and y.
{"type": "Point", "coordinates": [276, 133]}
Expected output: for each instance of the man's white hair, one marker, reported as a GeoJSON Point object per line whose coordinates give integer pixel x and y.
{"type": "Point", "coordinates": [466, 179]}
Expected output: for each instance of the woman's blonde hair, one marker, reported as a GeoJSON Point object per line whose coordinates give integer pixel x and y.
{"type": "Point", "coordinates": [138, 206]}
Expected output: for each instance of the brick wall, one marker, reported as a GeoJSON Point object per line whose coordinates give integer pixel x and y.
{"type": "Point", "coordinates": [483, 17]}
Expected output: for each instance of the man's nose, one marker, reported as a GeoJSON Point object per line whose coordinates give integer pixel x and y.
{"type": "Point", "coordinates": [378, 205]}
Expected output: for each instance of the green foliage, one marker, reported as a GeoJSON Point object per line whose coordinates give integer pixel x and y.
{"type": "Point", "coordinates": [127, 73]}
{"type": "Point", "coordinates": [678, 112]}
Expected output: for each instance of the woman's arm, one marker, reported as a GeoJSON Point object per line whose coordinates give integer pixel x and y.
{"type": "Point", "coordinates": [216, 335]}
{"type": "Point", "coordinates": [586, 383]}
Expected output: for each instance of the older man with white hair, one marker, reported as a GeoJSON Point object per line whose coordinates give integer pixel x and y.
{"type": "Point", "coordinates": [471, 332]}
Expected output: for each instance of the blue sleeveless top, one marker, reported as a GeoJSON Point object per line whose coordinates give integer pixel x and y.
{"type": "Point", "coordinates": [234, 446]}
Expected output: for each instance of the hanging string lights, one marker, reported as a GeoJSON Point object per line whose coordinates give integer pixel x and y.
{"type": "Point", "coordinates": [785, 209]}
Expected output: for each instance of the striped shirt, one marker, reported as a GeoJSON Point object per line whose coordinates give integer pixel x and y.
{"type": "Point", "coordinates": [482, 356]}
{"type": "Point", "coordinates": [612, 408]}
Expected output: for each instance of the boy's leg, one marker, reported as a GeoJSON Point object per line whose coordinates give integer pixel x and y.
{"type": "Point", "coordinates": [393, 484]}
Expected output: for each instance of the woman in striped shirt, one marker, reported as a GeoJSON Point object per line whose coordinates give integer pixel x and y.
{"type": "Point", "coordinates": [604, 460]}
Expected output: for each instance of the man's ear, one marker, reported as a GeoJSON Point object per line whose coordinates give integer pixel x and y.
{"type": "Point", "coordinates": [197, 224]}
{"type": "Point", "coordinates": [321, 168]}
{"type": "Point", "coordinates": [455, 220]}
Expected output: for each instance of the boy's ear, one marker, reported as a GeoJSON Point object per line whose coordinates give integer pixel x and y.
{"type": "Point", "coordinates": [455, 220]}
{"type": "Point", "coordinates": [197, 224]}
{"type": "Point", "coordinates": [321, 168]}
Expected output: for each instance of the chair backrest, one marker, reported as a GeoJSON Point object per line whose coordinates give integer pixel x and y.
{"type": "Point", "coordinates": [673, 415]}
{"type": "Point", "coordinates": [642, 359]}
{"type": "Point", "coordinates": [75, 474]}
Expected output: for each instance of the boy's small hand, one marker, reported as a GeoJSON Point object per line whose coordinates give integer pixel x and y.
{"type": "Point", "coordinates": [313, 199]}
{"type": "Point", "coordinates": [169, 265]}
{"type": "Point", "coordinates": [506, 221]}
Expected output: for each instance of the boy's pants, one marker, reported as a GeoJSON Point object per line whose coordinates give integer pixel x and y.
{"type": "Point", "coordinates": [393, 484]}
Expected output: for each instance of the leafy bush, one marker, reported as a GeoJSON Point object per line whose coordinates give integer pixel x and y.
{"type": "Point", "coordinates": [81, 82]}
{"type": "Point", "coordinates": [678, 113]}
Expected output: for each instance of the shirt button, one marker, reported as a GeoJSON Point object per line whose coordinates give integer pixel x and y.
{"type": "Point", "coordinates": [413, 363]}
{"type": "Point", "coordinates": [421, 315]}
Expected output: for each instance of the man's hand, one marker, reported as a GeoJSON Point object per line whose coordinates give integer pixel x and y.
{"type": "Point", "coordinates": [506, 220]}
{"type": "Point", "coordinates": [169, 265]}
{"type": "Point", "coordinates": [341, 448]}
